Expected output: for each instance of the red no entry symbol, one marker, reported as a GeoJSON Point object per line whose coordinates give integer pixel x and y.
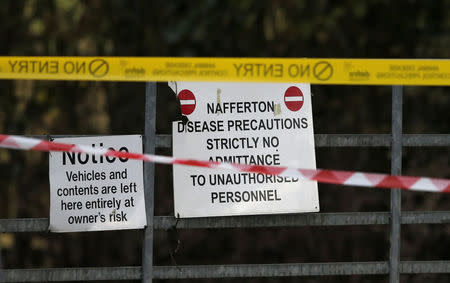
{"type": "Point", "coordinates": [293, 98]}
{"type": "Point", "coordinates": [187, 101]}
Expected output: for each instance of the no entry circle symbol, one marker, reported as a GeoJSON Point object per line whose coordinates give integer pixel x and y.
{"type": "Point", "coordinates": [323, 70]}
{"type": "Point", "coordinates": [187, 101]}
{"type": "Point", "coordinates": [293, 98]}
{"type": "Point", "coordinates": [98, 68]}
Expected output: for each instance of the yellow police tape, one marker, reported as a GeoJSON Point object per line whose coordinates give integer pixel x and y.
{"type": "Point", "coordinates": [316, 70]}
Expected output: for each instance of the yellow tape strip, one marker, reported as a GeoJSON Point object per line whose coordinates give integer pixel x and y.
{"type": "Point", "coordinates": [315, 71]}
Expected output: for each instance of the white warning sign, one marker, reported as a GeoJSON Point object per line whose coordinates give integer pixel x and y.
{"type": "Point", "coordinates": [250, 123]}
{"type": "Point", "coordinates": [93, 193]}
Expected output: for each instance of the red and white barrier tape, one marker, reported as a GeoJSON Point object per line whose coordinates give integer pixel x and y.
{"type": "Point", "coordinates": [348, 178]}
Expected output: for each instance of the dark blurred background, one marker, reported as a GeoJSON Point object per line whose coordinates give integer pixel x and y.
{"type": "Point", "coordinates": [252, 28]}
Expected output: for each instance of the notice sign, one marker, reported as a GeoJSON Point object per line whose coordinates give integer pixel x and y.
{"type": "Point", "coordinates": [92, 193]}
{"type": "Point", "coordinates": [250, 123]}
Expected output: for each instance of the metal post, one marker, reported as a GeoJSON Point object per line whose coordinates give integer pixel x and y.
{"type": "Point", "coordinates": [149, 180]}
{"type": "Point", "coordinates": [1, 267]}
{"type": "Point", "coordinates": [396, 169]}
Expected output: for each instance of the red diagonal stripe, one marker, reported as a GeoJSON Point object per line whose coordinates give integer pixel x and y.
{"type": "Point", "coordinates": [447, 189]}
{"type": "Point", "coordinates": [272, 170]}
{"type": "Point", "coordinates": [390, 182]}
{"type": "Point", "coordinates": [53, 146]}
{"type": "Point", "coordinates": [197, 163]}
{"type": "Point", "coordinates": [308, 173]}
{"type": "Point", "coordinates": [442, 185]}
{"type": "Point", "coordinates": [332, 177]}
{"type": "Point", "coordinates": [374, 178]}
{"type": "Point", "coordinates": [10, 142]}
{"type": "Point", "coordinates": [42, 146]}
{"type": "Point", "coordinates": [124, 154]}
{"type": "Point", "coordinates": [343, 175]}
{"type": "Point", "coordinates": [3, 137]}
{"type": "Point", "coordinates": [408, 181]}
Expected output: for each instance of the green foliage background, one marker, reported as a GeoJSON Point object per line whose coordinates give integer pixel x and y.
{"type": "Point", "coordinates": [322, 28]}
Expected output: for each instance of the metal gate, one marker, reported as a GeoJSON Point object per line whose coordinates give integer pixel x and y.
{"type": "Point", "coordinates": [394, 218]}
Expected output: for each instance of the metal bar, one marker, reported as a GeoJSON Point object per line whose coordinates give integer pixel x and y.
{"type": "Point", "coordinates": [1, 266]}
{"type": "Point", "coordinates": [425, 217]}
{"type": "Point", "coordinates": [426, 140]}
{"type": "Point", "coordinates": [24, 225]}
{"type": "Point", "coordinates": [164, 141]}
{"type": "Point", "coordinates": [270, 270]}
{"type": "Point", "coordinates": [290, 220]}
{"type": "Point", "coordinates": [396, 169]}
{"type": "Point", "coordinates": [298, 220]}
{"type": "Point", "coordinates": [149, 180]}
{"type": "Point", "coordinates": [72, 274]}
{"type": "Point", "coordinates": [416, 267]}
{"type": "Point", "coordinates": [223, 271]}
{"type": "Point", "coordinates": [352, 140]}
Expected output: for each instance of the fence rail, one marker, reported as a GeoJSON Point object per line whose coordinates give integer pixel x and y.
{"type": "Point", "coordinates": [223, 271]}
{"type": "Point", "coordinates": [257, 221]}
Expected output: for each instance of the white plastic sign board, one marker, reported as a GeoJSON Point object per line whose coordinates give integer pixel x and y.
{"type": "Point", "coordinates": [93, 193]}
{"type": "Point", "coordinates": [251, 123]}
